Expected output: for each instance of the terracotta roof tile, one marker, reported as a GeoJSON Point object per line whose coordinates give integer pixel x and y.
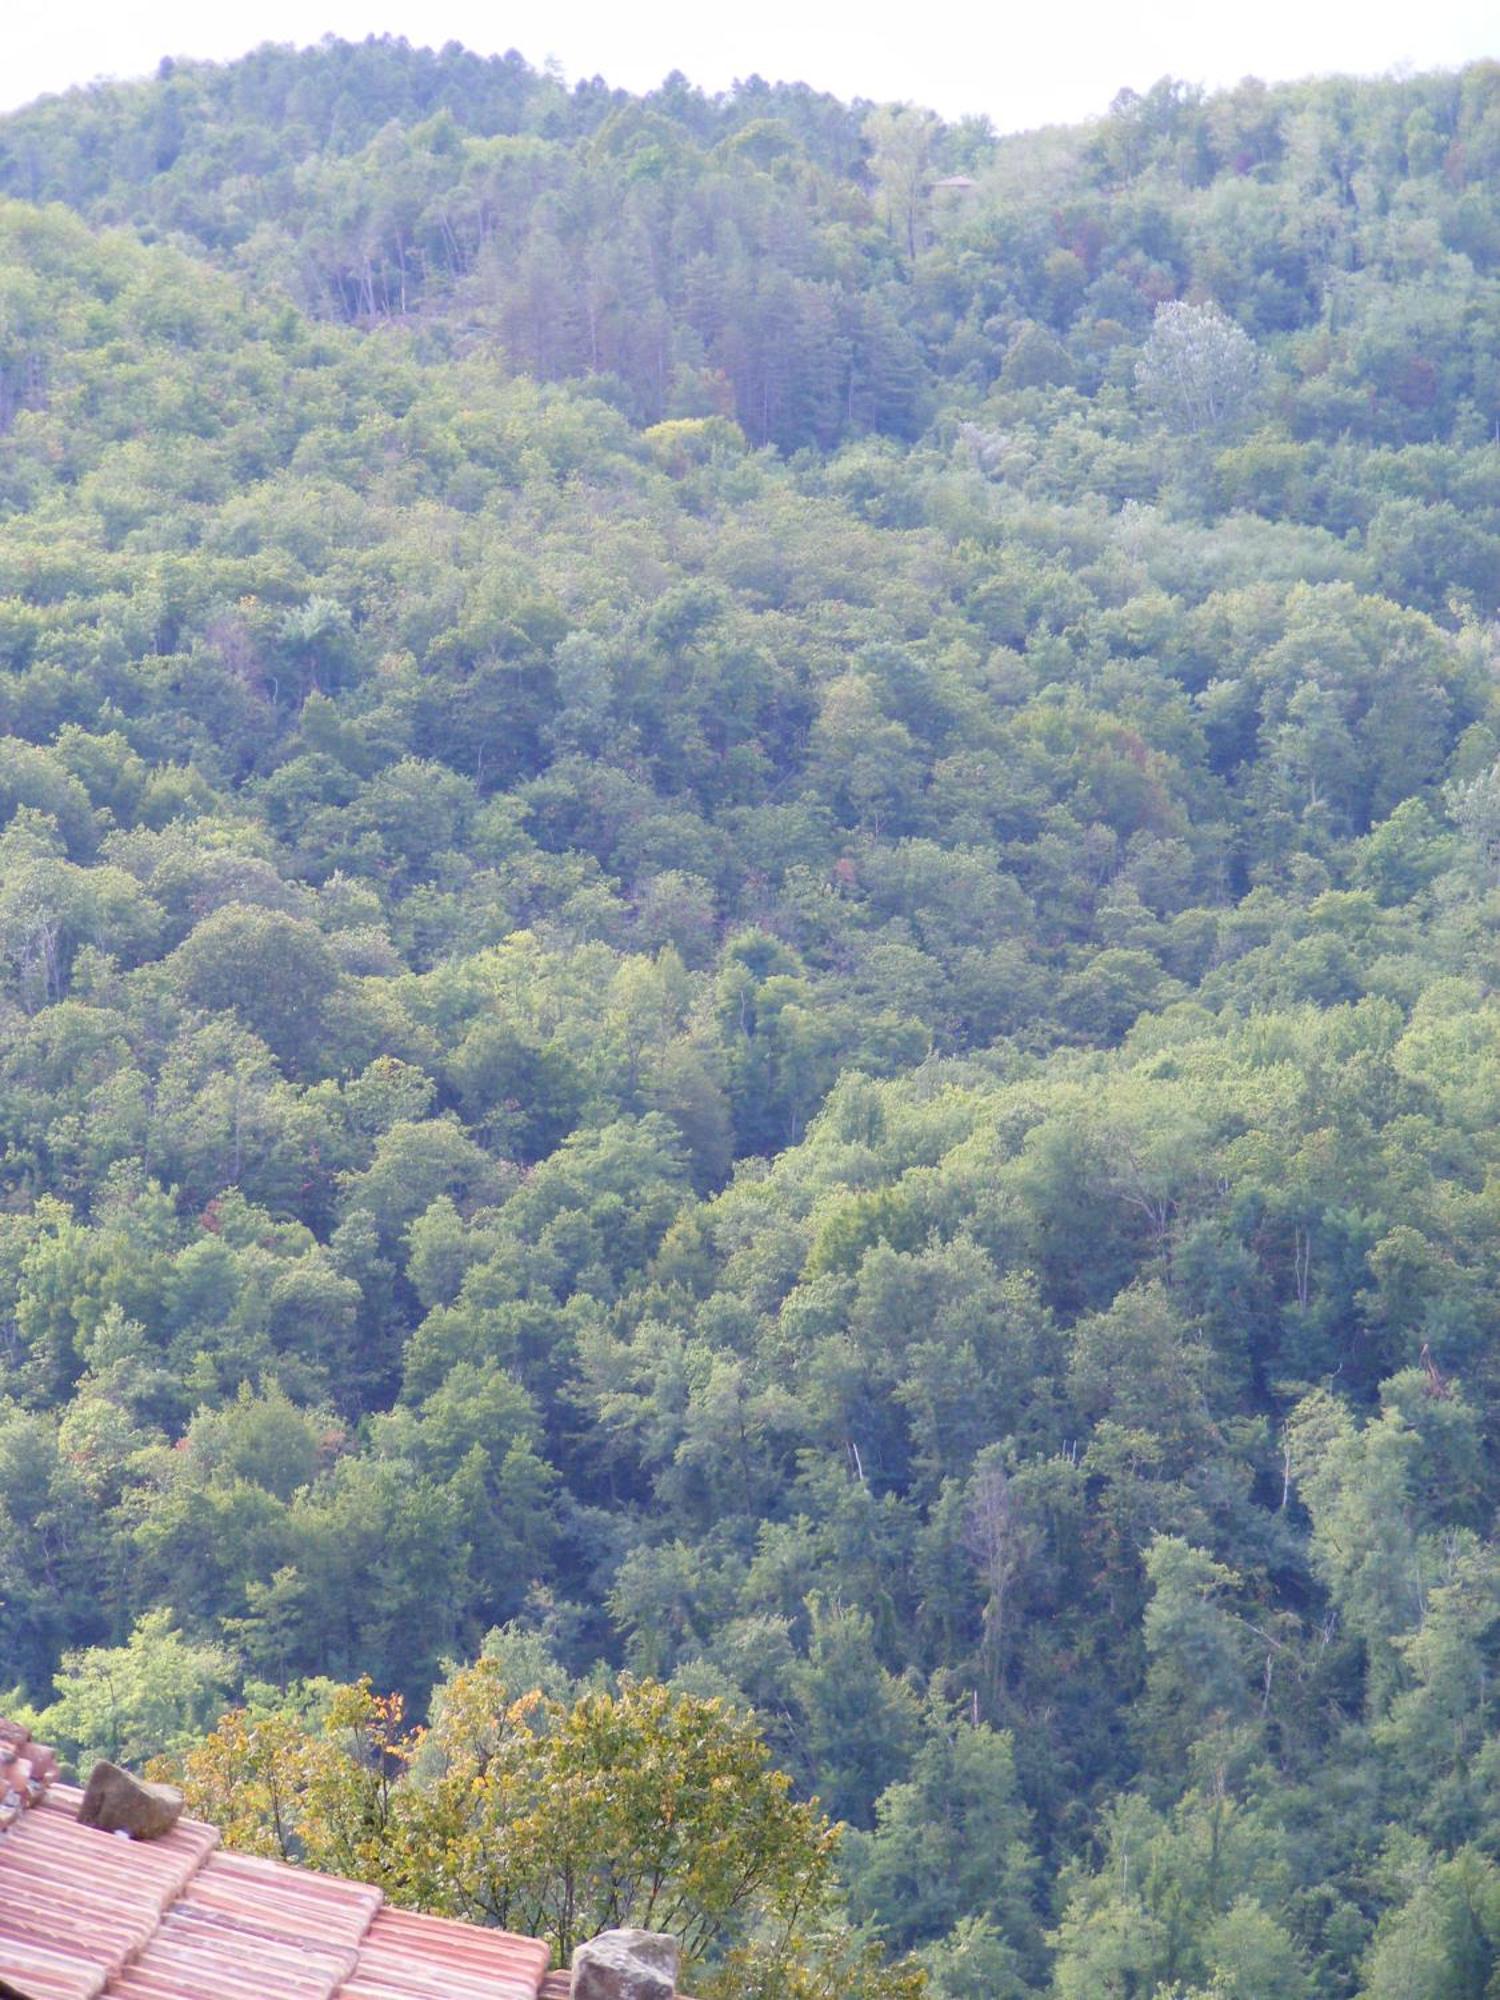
{"type": "Point", "coordinates": [430, 1958]}
{"type": "Point", "coordinates": [85, 1902]}
{"type": "Point", "coordinates": [85, 1913]}
{"type": "Point", "coordinates": [285, 1902]}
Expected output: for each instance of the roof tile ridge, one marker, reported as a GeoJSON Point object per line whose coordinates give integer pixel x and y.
{"type": "Point", "coordinates": [209, 1847]}
{"type": "Point", "coordinates": [374, 1911]}
{"type": "Point", "coordinates": [371, 1914]}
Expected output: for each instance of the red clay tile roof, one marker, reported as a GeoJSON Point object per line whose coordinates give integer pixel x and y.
{"type": "Point", "coordinates": [84, 1913]}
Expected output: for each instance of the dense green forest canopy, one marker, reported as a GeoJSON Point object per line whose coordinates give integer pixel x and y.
{"type": "Point", "coordinates": [749, 857]}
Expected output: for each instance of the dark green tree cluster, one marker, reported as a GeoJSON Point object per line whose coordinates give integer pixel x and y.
{"type": "Point", "coordinates": [823, 271]}
{"type": "Point", "coordinates": [749, 856]}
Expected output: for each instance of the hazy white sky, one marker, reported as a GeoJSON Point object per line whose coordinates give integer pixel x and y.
{"type": "Point", "coordinates": [1026, 65]}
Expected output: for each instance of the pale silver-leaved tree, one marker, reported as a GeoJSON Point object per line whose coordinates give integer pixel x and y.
{"type": "Point", "coordinates": [1199, 370]}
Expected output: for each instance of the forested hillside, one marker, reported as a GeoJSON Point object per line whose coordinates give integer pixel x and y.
{"type": "Point", "coordinates": [749, 858]}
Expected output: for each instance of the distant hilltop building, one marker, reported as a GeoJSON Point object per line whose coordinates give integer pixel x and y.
{"type": "Point", "coordinates": [957, 185]}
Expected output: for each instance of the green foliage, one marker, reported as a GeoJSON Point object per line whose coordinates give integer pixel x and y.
{"type": "Point", "coordinates": [748, 868]}
{"type": "Point", "coordinates": [152, 1696]}
{"type": "Point", "coordinates": [636, 1807]}
{"type": "Point", "coordinates": [1442, 1941]}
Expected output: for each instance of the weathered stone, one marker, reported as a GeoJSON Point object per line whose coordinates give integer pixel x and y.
{"type": "Point", "coordinates": [116, 1802]}
{"type": "Point", "coordinates": [626, 1965]}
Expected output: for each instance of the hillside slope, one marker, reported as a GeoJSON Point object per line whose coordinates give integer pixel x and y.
{"type": "Point", "coordinates": [747, 914]}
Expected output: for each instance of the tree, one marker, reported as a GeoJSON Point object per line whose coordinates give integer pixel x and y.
{"type": "Point", "coordinates": [1198, 370]}
{"type": "Point", "coordinates": [275, 971]}
{"type": "Point", "coordinates": [951, 1843]}
{"type": "Point", "coordinates": [1356, 1483]}
{"type": "Point", "coordinates": [639, 1806]}
{"type": "Point", "coordinates": [1002, 1543]}
{"type": "Point", "coordinates": [149, 1697]}
{"type": "Point", "coordinates": [1442, 1941]}
{"type": "Point", "coordinates": [900, 138]}
{"type": "Point", "coordinates": [1253, 1957]}
{"type": "Point", "coordinates": [1474, 807]}
{"type": "Point", "coordinates": [859, 1723]}
{"type": "Point", "coordinates": [1439, 1731]}
{"type": "Point", "coordinates": [1196, 1648]}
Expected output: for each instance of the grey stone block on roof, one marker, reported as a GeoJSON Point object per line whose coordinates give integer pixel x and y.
{"type": "Point", "coordinates": [626, 1965]}
{"type": "Point", "coordinates": [116, 1802]}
